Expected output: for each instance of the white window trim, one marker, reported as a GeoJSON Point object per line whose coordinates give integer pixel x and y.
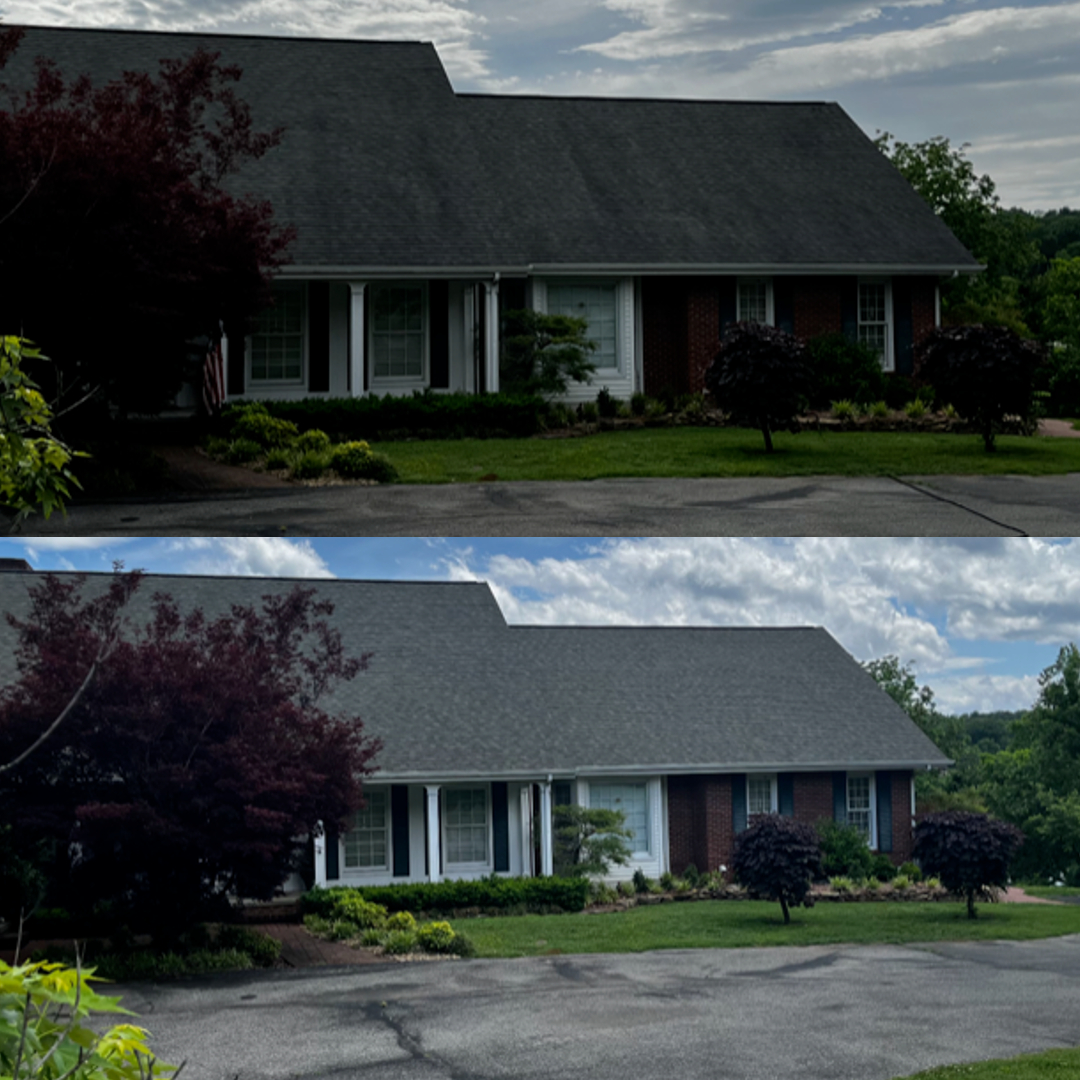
{"type": "Point", "coordinates": [873, 841]}
{"type": "Point", "coordinates": [770, 307]}
{"type": "Point", "coordinates": [467, 867]}
{"type": "Point", "coordinates": [774, 797]}
{"type": "Point", "coordinates": [397, 383]}
{"type": "Point", "coordinates": [624, 320]}
{"type": "Point", "coordinates": [251, 383]}
{"type": "Point", "coordinates": [647, 851]}
{"type": "Point", "coordinates": [345, 870]}
{"type": "Point", "coordinates": [888, 361]}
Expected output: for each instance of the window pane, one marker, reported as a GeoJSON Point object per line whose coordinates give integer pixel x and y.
{"type": "Point", "coordinates": [277, 345]}
{"type": "Point", "coordinates": [632, 800]}
{"type": "Point", "coordinates": [859, 809]}
{"type": "Point", "coordinates": [466, 821]}
{"type": "Point", "coordinates": [595, 304]}
{"type": "Point", "coordinates": [397, 331]}
{"type": "Point", "coordinates": [752, 301]}
{"type": "Point", "coordinates": [366, 842]}
{"type": "Point", "coordinates": [759, 795]}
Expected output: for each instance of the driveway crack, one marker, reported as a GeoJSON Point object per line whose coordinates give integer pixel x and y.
{"type": "Point", "coordinates": [959, 505]}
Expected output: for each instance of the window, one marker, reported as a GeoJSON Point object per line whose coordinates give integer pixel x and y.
{"type": "Point", "coordinates": [366, 843]}
{"type": "Point", "coordinates": [874, 311]}
{"type": "Point", "coordinates": [633, 801]}
{"type": "Point", "coordinates": [860, 802]}
{"type": "Point", "coordinates": [277, 345]}
{"type": "Point", "coordinates": [760, 795]}
{"type": "Point", "coordinates": [398, 333]}
{"type": "Point", "coordinates": [465, 816]}
{"type": "Point", "coordinates": [755, 300]}
{"type": "Point", "coordinates": [596, 304]}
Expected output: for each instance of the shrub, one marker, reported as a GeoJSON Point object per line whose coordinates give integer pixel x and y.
{"type": "Point", "coordinates": [844, 851]}
{"type": "Point", "coordinates": [588, 840]}
{"type": "Point", "coordinates": [357, 461]}
{"type": "Point", "coordinates": [899, 390]}
{"type": "Point", "coordinates": [626, 888]}
{"type": "Point", "coordinates": [241, 451]}
{"type": "Point", "coordinates": [843, 370]}
{"type": "Point", "coordinates": [310, 465]}
{"type": "Point", "coordinates": [590, 413]}
{"type": "Point", "coordinates": [761, 376]}
{"type": "Point", "coordinates": [882, 868]}
{"type": "Point", "coordinates": [933, 883]}
{"type": "Point", "coordinates": [901, 882]}
{"type": "Point", "coordinates": [263, 950]}
{"type": "Point", "coordinates": [641, 882]}
{"type": "Point", "coordinates": [606, 405]}
{"type": "Point", "coordinates": [372, 937]}
{"type": "Point", "coordinates": [692, 876]}
{"type": "Point", "coordinates": [400, 942]}
{"type": "Point", "coordinates": [1062, 381]}
{"type": "Point", "coordinates": [667, 880]}
{"type": "Point", "coordinates": [560, 415]}
{"type": "Point", "coordinates": [313, 439]}
{"type": "Point", "coordinates": [879, 409]}
{"type": "Point", "coordinates": [843, 410]}
{"type": "Point", "coordinates": [916, 409]}
{"type": "Point", "coordinates": [352, 906]}
{"type": "Point", "coordinates": [279, 458]}
{"type": "Point", "coordinates": [639, 404]}
{"type": "Point", "coordinates": [253, 421]}
{"type": "Point", "coordinates": [912, 871]}
{"type": "Point", "coordinates": [777, 857]}
{"type": "Point", "coordinates": [401, 920]}
{"type": "Point", "coordinates": [542, 354]}
{"type": "Point", "coordinates": [436, 937]}
{"type": "Point", "coordinates": [872, 884]}
{"type": "Point", "coordinates": [602, 893]}
{"type": "Point", "coordinates": [987, 372]}
{"type": "Point", "coordinates": [842, 884]}
{"type": "Point", "coordinates": [968, 852]}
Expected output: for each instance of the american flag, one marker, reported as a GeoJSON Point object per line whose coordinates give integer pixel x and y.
{"type": "Point", "coordinates": [214, 374]}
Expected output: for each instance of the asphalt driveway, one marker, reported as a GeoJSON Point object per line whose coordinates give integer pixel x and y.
{"type": "Point", "coordinates": [801, 506]}
{"type": "Point", "coordinates": [823, 1013]}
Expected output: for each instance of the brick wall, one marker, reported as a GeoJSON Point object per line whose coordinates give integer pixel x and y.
{"type": "Point", "coordinates": [922, 307]}
{"type": "Point", "coordinates": [699, 820]}
{"type": "Point", "coordinates": [702, 329]}
{"type": "Point", "coordinates": [901, 805]}
{"type": "Point", "coordinates": [818, 306]}
{"type": "Point", "coordinates": [663, 330]}
{"type": "Point", "coordinates": [813, 797]}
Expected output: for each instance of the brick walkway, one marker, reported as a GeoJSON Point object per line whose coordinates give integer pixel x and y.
{"type": "Point", "coordinates": [299, 949]}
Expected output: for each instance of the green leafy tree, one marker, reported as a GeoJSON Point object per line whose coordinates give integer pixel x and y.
{"type": "Point", "coordinates": [844, 852]}
{"type": "Point", "coordinates": [542, 354]}
{"type": "Point", "coordinates": [45, 1034]}
{"type": "Point", "coordinates": [762, 377]}
{"type": "Point", "coordinates": [588, 840]}
{"type": "Point", "coordinates": [844, 370]}
{"type": "Point", "coordinates": [1061, 308]}
{"type": "Point", "coordinates": [970, 853]}
{"type": "Point", "coordinates": [35, 465]}
{"type": "Point", "coordinates": [778, 857]}
{"type": "Point", "coordinates": [986, 372]}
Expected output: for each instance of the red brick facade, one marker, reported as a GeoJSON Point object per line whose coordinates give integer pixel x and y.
{"type": "Point", "coordinates": [700, 816]}
{"type": "Point", "coordinates": [818, 307]}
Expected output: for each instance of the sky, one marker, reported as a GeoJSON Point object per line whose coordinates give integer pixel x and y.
{"type": "Point", "coordinates": [978, 618]}
{"type": "Point", "coordinates": [1000, 75]}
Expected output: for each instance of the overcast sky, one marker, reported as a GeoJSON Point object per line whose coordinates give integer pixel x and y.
{"type": "Point", "coordinates": [1003, 76]}
{"type": "Point", "coordinates": [980, 618]}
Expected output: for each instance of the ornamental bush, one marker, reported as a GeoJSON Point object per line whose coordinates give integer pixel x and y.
{"type": "Point", "coordinates": [436, 937]}
{"type": "Point", "coordinates": [252, 421]}
{"type": "Point", "coordinates": [357, 461]}
{"type": "Point", "coordinates": [970, 853]}
{"type": "Point", "coordinates": [778, 857]}
{"type": "Point", "coordinates": [844, 370]}
{"type": "Point", "coordinates": [843, 851]}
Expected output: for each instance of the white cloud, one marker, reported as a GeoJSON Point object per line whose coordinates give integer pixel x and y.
{"type": "Point", "coordinates": [249, 556]}
{"type": "Point", "coordinates": [70, 543]}
{"type": "Point", "coordinates": [986, 693]}
{"type": "Point", "coordinates": [905, 597]}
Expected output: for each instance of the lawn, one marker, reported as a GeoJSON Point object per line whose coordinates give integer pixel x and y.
{"type": "Point", "coordinates": [1053, 1065]}
{"type": "Point", "coordinates": [738, 924]}
{"type": "Point", "coordinates": [725, 452]}
{"type": "Point", "coordinates": [1050, 892]}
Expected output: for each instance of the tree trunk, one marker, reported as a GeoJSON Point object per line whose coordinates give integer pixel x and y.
{"type": "Point", "coordinates": [768, 436]}
{"type": "Point", "coordinates": [971, 904]}
{"type": "Point", "coordinates": [784, 908]}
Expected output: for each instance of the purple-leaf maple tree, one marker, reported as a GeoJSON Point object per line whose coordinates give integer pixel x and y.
{"type": "Point", "coordinates": [123, 234]}
{"type": "Point", "coordinates": [199, 755]}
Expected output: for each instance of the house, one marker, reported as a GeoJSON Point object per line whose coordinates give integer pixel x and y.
{"type": "Point", "coordinates": [486, 727]}
{"type": "Point", "coordinates": [424, 214]}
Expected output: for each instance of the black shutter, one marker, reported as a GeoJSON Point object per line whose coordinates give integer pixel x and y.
{"type": "Point", "coordinates": [849, 308]}
{"type": "Point", "coordinates": [237, 361]}
{"type": "Point", "coordinates": [333, 865]}
{"type": "Point", "coordinates": [500, 812]}
{"type": "Point", "coordinates": [903, 328]}
{"type": "Point", "coordinates": [439, 333]}
{"type": "Point", "coordinates": [839, 797]}
{"type": "Point", "coordinates": [560, 793]}
{"type": "Point", "coordinates": [784, 306]}
{"type": "Point", "coordinates": [884, 811]}
{"type": "Point", "coordinates": [729, 312]}
{"type": "Point", "coordinates": [399, 816]}
{"type": "Point", "coordinates": [318, 296]}
{"type": "Point", "coordinates": [738, 802]}
{"type": "Point", "coordinates": [786, 792]}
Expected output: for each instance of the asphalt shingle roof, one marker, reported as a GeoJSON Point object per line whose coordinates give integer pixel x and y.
{"type": "Point", "coordinates": [383, 166]}
{"type": "Point", "coordinates": [454, 692]}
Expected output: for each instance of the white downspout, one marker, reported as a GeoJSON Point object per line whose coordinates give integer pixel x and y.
{"type": "Point", "coordinates": [547, 855]}
{"type": "Point", "coordinates": [434, 845]}
{"type": "Point", "coordinates": [491, 335]}
{"type": "Point", "coordinates": [356, 338]}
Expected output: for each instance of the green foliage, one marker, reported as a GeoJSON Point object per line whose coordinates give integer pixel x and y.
{"type": "Point", "coordinates": [1062, 376]}
{"type": "Point", "coordinates": [313, 439]}
{"type": "Point", "coordinates": [641, 883]}
{"type": "Point", "coordinates": [911, 870]}
{"type": "Point", "coordinates": [357, 461]}
{"type": "Point", "coordinates": [968, 852]}
{"type": "Point", "coordinates": [844, 370]}
{"type": "Point", "coordinates": [915, 410]}
{"type": "Point", "coordinates": [606, 405]}
{"type": "Point", "coordinates": [626, 889]}
{"type": "Point", "coordinates": [253, 421]}
{"type": "Point", "coordinates": [639, 404]}
{"type": "Point", "coordinates": [986, 372]}
{"type": "Point", "coordinates": [145, 964]}
{"type": "Point", "coordinates": [351, 906]}
{"type": "Point", "coordinates": [400, 942]}
{"type": "Point", "coordinates": [879, 409]}
{"type": "Point", "coordinates": [901, 882]}
{"type": "Point", "coordinates": [436, 937]}
{"type": "Point", "coordinates": [401, 920]}
{"type": "Point", "coordinates": [667, 881]}
{"type": "Point", "coordinates": [692, 876]}
{"type": "Point", "coordinates": [882, 868]}
{"type": "Point", "coordinates": [778, 857]}
{"type": "Point", "coordinates": [843, 850]}
{"type": "Point", "coordinates": [280, 458]}
{"type": "Point", "coordinates": [241, 451]}
{"type": "Point", "coordinates": [589, 840]}
{"type": "Point", "coordinates": [311, 465]}
{"type": "Point", "coordinates": [842, 884]}
{"type": "Point", "coordinates": [48, 1020]}
{"type": "Point", "coordinates": [761, 376]}
{"type": "Point", "coordinates": [35, 473]}
{"type": "Point", "coordinates": [264, 951]}
{"type": "Point", "coordinates": [1061, 306]}
{"type": "Point", "coordinates": [489, 894]}
{"type": "Point", "coordinates": [542, 354]}
{"type": "Point", "coordinates": [842, 410]}
{"type": "Point", "coordinates": [590, 412]}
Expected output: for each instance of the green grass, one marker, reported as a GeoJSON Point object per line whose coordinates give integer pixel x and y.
{"type": "Point", "coordinates": [739, 924]}
{"type": "Point", "coordinates": [1049, 892]}
{"type": "Point", "coordinates": [1053, 1065]}
{"type": "Point", "coordinates": [725, 452]}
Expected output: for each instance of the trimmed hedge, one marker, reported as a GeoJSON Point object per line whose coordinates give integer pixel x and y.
{"type": "Point", "coordinates": [499, 894]}
{"type": "Point", "coordinates": [426, 415]}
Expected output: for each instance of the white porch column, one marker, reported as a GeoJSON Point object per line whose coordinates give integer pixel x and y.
{"type": "Point", "coordinates": [320, 857]}
{"type": "Point", "coordinates": [357, 333]}
{"type": "Point", "coordinates": [547, 858]}
{"type": "Point", "coordinates": [491, 336]}
{"type": "Point", "coordinates": [526, 831]}
{"type": "Point", "coordinates": [433, 832]}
